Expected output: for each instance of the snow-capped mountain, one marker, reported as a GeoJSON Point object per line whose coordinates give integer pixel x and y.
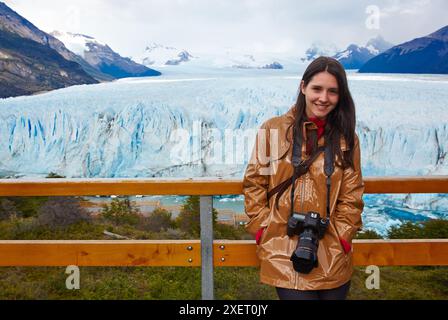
{"type": "Point", "coordinates": [102, 57]}
{"type": "Point", "coordinates": [351, 58]}
{"type": "Point", "coordinates": [318, 49]}
{"type": "Point", "coordinates": [160, 55]}
{"type": "Point", "coordinates": [427, 54]}
{"type": "Point", "coordinates": [248, 61]}
{"type": "Point", "coordinates": [15, 23]}
{"type": "Point", "coordinates": [378, 45]}
{"type": "Point", "coordinates": [156, 55]}
{"type": "Point", "coordinates": [183, 56]}
{"type": "Point", "coordinates": [355, 56]}
{"type": "Point", "coordinates": [236, 59]}
{"type": "Point", "coordinates": [33, 61]}
{"type": "Point", "coordinates": [76, 43]}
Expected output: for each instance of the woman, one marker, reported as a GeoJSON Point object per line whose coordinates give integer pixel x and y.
{"type": "Point", "coordinates": [320, 128]}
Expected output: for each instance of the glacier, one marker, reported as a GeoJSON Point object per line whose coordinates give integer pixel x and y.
{"type": "Point", "coordinates": [125, 128]}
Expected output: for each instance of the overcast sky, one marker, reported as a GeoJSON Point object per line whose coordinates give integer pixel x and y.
{"type": "Point", "coordinates": [247, 25]}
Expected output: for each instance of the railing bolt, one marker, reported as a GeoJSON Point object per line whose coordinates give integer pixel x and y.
{"type": "Point", "coordinates": [190, 260]}
{"type": "Point", "coordinates": [189, 248]}
{"type": "Point", "coordinates": [221, 247]}
{"type": "Point", "coordinates": [223, 259]}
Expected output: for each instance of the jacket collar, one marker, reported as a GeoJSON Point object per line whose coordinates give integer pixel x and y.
{"type": "Point", "coordinates": [287, 127]}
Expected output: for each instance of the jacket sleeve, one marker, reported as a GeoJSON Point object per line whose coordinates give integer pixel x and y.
{"type": "Point", "coordinates": [256, 184]}
{"type": "Point", "coordinates": [350, 205]}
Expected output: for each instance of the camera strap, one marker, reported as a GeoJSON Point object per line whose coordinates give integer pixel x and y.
{"type": "Point", "coordinates": [328, 170]}
{"type": "Point", "coordinates": [302, 166]}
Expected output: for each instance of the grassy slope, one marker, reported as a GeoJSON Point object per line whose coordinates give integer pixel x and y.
{"type": "Point", "coordinates": [185, 283]}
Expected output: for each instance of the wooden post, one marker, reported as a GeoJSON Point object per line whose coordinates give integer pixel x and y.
{"type": "Point", "coordinates": [206, 212]}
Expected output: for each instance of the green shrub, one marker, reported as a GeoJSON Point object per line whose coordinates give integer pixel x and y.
{"type": "Point", "coordinates": [8, 209]}
{"type": "Point", "coordinates": [225, 231]}
{"type": "Point", "coordinates": [368, 234]}
{"type": "Point", "coordinates": [27, 206]}
{"type": "Point", "coordinates": [435, 229]}
{"type": "Point", "coordinates": [60, 212]}
{"type": "Point", "coordinates": [159, 220]}
{"type": "Point", "coordinates": [121, 212]}
{"type": "Point", "coordinates": [189, 218]}
{"type": "Point", "coordinates": [431, 229]}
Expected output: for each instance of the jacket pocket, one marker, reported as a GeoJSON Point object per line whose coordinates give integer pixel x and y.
{"type": "Point", "coordinates": [337, 238]}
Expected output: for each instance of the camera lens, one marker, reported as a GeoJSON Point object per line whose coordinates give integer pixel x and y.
{"type": "Point", "coordinates": [311, 228]}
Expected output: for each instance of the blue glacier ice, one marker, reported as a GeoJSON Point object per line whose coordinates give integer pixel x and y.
{"type": "Point", "coordinates": [125, 128]}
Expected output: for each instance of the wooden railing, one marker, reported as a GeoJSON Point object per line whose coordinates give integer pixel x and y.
{"type": "Point", "coordinates": [190, 187]}
{"type": "Point", "coordinates": [206, 252]}
{"type": "Point", "coordinates": [184, 253]}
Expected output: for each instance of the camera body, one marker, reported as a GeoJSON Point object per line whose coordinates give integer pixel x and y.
{"type": "Point", "coordinates": [298, 222]}
{"type": "Point", "coordinates": [311, 228]}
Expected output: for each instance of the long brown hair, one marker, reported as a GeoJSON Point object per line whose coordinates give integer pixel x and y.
{"type": "Point", "coordinates": [341, 120]}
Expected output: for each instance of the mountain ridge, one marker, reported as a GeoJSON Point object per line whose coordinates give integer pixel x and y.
{"type": "Point", "coordinates": [99, 55]}
{"type": "Point", "coordinates": [13, 22]}
{"type": "Point", "coordinates": [28, 63]}
{"type": "Point", "coordinates": [427, 54]}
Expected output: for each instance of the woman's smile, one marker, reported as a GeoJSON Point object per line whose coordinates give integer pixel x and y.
{"type": "Point", "coordinates": [321, 107]}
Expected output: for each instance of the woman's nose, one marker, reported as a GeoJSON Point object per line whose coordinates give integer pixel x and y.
{"type": "Point", "coordinates": [323, 96]}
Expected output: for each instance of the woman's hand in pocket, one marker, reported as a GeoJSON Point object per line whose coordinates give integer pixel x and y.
{"type": "Point", "coordinates": [345, 245]}
{"type": "Point", "coordinates": [258, 235]}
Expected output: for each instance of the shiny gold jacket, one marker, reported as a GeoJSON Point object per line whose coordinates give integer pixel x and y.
{"type": "Point", "coordinates": [275, 247]}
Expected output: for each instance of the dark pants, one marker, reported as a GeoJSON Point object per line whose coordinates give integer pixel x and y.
{"type": "Point", "coordinates": [339, 293]}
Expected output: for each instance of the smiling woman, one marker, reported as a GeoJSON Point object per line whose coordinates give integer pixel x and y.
{"type": "Point", "coordinates": [305, 250]}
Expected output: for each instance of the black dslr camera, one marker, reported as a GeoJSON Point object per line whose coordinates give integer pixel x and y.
{"type": "Point", "coordinates": [310, 228]}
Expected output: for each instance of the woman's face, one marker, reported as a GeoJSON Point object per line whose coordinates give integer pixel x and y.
{"type": "Point", "coordinates": [321, 95]}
